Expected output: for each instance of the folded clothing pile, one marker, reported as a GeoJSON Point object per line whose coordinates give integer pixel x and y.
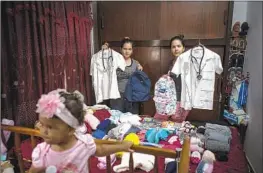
{"type": "Point", "coordinates": [217, 138]}
{"type": "Point", "coordinates": [103, 128]}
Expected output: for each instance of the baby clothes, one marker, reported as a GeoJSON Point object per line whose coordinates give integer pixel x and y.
{"type": "Point", "coordinates": [204, 167]}
{"type": "Point", "coordinates": [141, 135]}
{"type": "Point", "coordinates": [218, 128]}
{"type": "Point", "coordinates": [118, 117]}
{"type": "Point", "coordinates": [121, 130]}
{"type": "Point", "coordinates": [6, 135]}
{"type": "Point", "coordinates": [161, 117]}
{"type": "Point", "coordinates": [144, 162]}
{"type": "Point", "coordinates": [173, 141]}
{"type": "Point", "coordinates": [217, 137]}
{"type": "Point", "coordinates": [91, 120]}
{"type": "Point", "coordinates": [180, 114]}
{"type": "Point", "coordinates": [98, 134]}
{"type": "Point", "coordinates": [98, 107]}
{"type": "Point", "coordinates": [74, 159]}
{"type": "Point", "coordinates": [7, 167]}
{"type": "Point", "coordinates": [132, 119]}
{"type": "Point", "coordinates": [195, 157]}
{"type": "Point", "coordinates": [155, 135]}
{"type": "Point", "coordinates": [102, 161]}
{"type": "Point", "coordinates": [104, 125]}
{"type": "Point", "coordinates": [215, 146]}
{"type": "Point", "coordinates": [171, 167]}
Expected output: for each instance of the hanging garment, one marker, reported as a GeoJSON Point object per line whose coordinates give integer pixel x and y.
{"type": "Point", "coordinates": [103, 71]}
{"type": "Point", "coordinates": [243, 93]}
{"type": "Point", "coordinates": [198, 77]}
{"type": "Point", "coordinates": [5, 135]}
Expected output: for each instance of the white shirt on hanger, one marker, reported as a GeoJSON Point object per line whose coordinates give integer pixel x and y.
{"type": "Point", "coordinates": [103, 71]}
{"type": "Point", "coordinates": [198, 93]}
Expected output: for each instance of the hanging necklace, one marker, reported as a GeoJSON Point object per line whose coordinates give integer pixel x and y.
{"type": "Point", "coordinates": [199, 70]}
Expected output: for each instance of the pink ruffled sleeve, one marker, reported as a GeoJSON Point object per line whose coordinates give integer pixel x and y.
{"type": "Point", "coordinates": [89, 141]}
{"type": "Point", "coordinates": [38, 155]}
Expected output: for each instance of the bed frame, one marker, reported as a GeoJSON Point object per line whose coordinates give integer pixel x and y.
{"type": "Point", "coordinates": [33, 133]}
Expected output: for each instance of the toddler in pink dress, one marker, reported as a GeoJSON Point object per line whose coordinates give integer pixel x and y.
{"type": "Point", "coordinates": [66, 149]}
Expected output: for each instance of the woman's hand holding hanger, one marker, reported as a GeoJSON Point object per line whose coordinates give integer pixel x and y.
{"type": "Point", "coordinates": [105, 46]}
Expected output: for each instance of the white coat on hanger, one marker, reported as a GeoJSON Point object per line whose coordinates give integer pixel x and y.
{"type": "Point", "coordinates": [198, 93]}
{"type": "Point", "coordinates": [103, 71]}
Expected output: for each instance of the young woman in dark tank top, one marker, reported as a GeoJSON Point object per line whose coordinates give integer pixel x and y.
{"type": "Point", "coordinates": [177, 46]}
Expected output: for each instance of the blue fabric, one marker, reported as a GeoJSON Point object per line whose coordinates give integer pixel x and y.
{"type": "Point", "coordinates": [200, 167]}
{"type": "Point", "coordinates": [243, 93]}
{"type": "Point", "coordinates": [98, 134]}
{"type": "Point", "coordinates": [231, 118]}
{"type": "Point", "coordinates": [150, 135]}
{"type": "Point", "coordinates": [154, 136]}
{"type": "Point", "coordinates": [162, 134]}
{"type": "Point", "coordinates": [104, 125]}
{"type": "Point", "coordinates": [138, 87]}
{"type": "Point", "coordinates": [171, 167]}
{"type": "Point", "coordinates": [3, 157]}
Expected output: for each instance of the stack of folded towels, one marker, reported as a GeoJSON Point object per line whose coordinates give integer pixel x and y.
{"type": "Point", "coordinates": [217, 138]}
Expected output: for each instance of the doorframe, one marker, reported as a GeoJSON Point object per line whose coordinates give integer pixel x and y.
{"type": "Point", "coordinates": [226, 56]}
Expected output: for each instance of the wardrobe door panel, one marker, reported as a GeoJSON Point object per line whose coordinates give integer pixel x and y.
{"type": "Point", "coordinates": [166, 59]}
{"type": "Point", "coordinates": [200, 19]}
{"type": "Point", "coordinates": [138, 20]}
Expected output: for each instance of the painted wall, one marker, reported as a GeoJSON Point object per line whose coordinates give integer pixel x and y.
{"type": "Point", "coordinates": [239, 12]}
{"type": "Point", "coordinates": [252, 13]}
{"type": "Point", "coordinates": [253, 64]}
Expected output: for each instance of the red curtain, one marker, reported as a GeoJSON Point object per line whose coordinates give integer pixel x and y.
{"type": "Point", "coordinates": [41, 42]}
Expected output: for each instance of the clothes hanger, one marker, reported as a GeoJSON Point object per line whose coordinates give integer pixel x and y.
{"type": "Point", "coordinates": [199, 45]}
{"type": "Point", "coordinates": [199, 42]}
{"type": "Point", "coordinates": [109, 58]}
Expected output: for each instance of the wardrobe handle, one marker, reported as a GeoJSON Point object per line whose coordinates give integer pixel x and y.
{"type": "Point", "coordinates": [102, 22]}
{"type": "Point", "coordinates": [225, 17]}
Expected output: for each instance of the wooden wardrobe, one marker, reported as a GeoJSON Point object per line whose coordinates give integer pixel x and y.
{"type": "Point", "coordinates": [152, 24]}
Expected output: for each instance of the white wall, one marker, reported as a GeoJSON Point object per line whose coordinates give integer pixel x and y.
{"type": "Point", "coordinates": [253, 142]}
{"type": "Point", "coordinates": [251, 12]}
{"type": "Point", "coordinates": [239, 12]}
